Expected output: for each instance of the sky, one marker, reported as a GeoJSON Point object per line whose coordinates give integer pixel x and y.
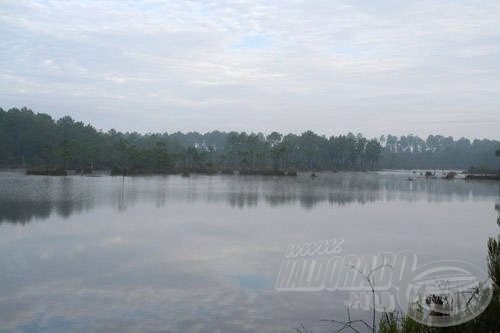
{"type": "Point", "coordinates": [374, 67]}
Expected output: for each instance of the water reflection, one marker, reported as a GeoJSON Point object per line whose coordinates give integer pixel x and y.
{"type": "Point", "coordinates": [23, 198]}
{"type": "Point", "coordinates": [201, 254]}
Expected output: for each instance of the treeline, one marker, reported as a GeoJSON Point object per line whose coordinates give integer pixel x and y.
{"type": "Point", "coordinates": [34, 139]}
{"type": "Point", "coordinates": [438, 152]}
{"type": "Point", "coordinates": [29, 139]}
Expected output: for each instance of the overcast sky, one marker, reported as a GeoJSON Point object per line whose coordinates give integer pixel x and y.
{"type": "Point", "coordinates": [374, 67]}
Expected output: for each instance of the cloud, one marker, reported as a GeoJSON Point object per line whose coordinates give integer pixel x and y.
{"type": "Point", "coordinates": [330, 66]}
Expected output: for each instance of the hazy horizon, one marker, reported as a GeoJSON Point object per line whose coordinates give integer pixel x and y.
{"type": "Point", "coordinates": [330, 67]}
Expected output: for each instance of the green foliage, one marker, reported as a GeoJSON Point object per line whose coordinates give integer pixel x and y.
{"type": "Point", "coordinates": [389, 323]}
{"type": "Point", "coordinates": [35, 140]}
{"type": "Point", "coordinates": [487, 321]}
{"type": "Point", "coordinates": [438, 152]}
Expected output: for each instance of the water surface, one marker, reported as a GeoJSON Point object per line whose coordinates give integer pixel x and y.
{"type": "Point", "coordinates": [173, 254]}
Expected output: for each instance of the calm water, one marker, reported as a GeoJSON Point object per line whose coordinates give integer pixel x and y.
{"type": "Point", "coordinates": [173, 254]}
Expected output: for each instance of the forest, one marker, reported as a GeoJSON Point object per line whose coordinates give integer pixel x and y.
{"type": "Point", "coordinates": [29, 139]}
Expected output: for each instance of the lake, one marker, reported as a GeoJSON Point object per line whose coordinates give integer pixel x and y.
{"type": "Point", "coordinates": [202, 254]}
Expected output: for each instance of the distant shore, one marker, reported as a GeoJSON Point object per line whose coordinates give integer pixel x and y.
{"type": "Point", "coordinates": [412, 174]}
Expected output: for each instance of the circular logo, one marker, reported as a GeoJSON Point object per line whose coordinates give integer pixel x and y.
{"type": "Point", "coordinates": [445, 293]}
